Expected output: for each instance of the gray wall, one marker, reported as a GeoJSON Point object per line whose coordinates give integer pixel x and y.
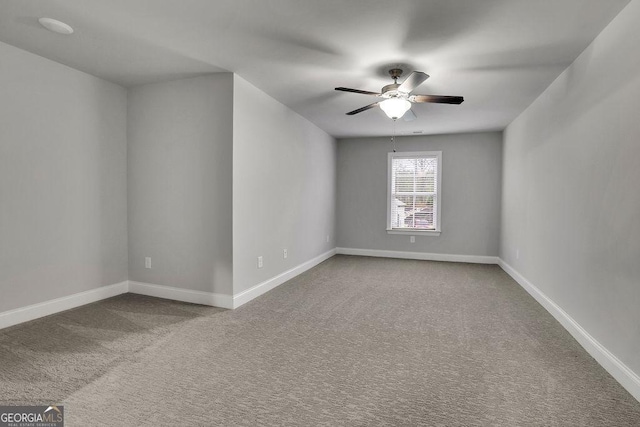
{"type": "Point", "coordinates": [63, 215]}
{"type": "Point", "coordinates": [571, 204]}
{"type": "Point", "coordinates": [180, 172]}
{"type": "Point", "coordinates": [283, 187]}
{"type": "Point", "coordinates": [471, 169]}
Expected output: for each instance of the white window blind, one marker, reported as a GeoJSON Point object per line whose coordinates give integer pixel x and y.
{"type": "Point", "coordinates": [414, 191]}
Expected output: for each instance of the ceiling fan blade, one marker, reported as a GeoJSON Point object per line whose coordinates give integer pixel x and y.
{"type": "Point", "coordinates": [414, 80]}
{"type": "Point", "coordinates": [364, 92]}
{"type": "Point", "coordinates": [360, 110]}
{"type": "Point", "coordinates": [409, 116]}
{"type": "Point", "coordinates": [439, 99]}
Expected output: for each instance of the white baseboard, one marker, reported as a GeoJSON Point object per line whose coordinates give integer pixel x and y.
{"type": "Point", "coordinates": [46, 308]}
{"type": "Point", "coordinates": [477, 259]}
{"type": "Point", "coordinates": [261, 288]}
{"type": "Point", "coordinates": [179, 294]}
{"type": "Point", "coordinates": [222, 300]}
{"type": "Point", "coordinates": [618, 370]}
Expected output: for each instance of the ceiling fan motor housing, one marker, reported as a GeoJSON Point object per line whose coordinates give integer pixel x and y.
{"type": "Point", "coordinates": [390, 91]}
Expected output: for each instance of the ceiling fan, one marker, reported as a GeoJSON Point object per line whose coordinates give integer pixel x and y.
{"type": "Point", "coordinates": [398, 97]}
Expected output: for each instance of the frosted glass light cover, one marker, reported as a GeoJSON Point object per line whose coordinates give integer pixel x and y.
{"type": "Point", "coordinates": [395, 108]}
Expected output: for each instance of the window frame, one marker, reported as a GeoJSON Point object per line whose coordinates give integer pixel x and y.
{"type": "Point", "coordinates": [438, 192]}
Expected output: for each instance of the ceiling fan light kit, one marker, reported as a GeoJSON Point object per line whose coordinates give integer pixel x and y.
{"type": "Point", "coordinates": [395, 108]}
{"type": "Point", "coordinates": [398, 97]}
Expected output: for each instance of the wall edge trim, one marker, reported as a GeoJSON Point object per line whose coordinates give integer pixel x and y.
{"type": "Point", "coordinates": [57, 305]}
{"type": "Point", "coordinates": [425, 256]}
{"type": "Point", "coordinates": [614, 366]}
{"type": "Point", "coordinates": [269, 284]}
{"type": "Point", "coordinates": [180, 294]}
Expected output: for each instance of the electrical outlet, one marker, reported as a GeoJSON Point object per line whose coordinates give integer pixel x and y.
{"type": "Point", "coordinates": [412, 239]}
{"type": "Point", "coordinates": [260, 263]}
{"type": "Point", "coordinates": [327, 238]}
{"type": "Point", "coordinates": [518, 253]}
{"type": "Point", "coordinates": [147, 262]}
{"type": "Point", "coordinates": [285, 254]}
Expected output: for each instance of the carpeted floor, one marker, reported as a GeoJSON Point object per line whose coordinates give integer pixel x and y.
{"type": "Point", "coordinates": [353, 342]}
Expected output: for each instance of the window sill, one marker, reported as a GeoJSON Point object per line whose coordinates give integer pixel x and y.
{"type": "Point", "coordinates": [415, 232]}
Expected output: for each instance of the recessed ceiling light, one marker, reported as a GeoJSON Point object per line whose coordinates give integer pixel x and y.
{"type": "Point", "coordinates": [55, 26]}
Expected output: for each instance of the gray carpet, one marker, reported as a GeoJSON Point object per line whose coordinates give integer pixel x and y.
{"type": "Point", "coordinates": [355, 341]}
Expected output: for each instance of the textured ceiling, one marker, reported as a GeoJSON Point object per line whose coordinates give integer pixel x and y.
{"type": "Point", "coordinates": [498, 54]}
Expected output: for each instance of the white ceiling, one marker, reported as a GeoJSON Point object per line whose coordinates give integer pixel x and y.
{"type": "Point", "coordinates": [498, 54]}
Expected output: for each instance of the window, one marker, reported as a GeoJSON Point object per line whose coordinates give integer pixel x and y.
{"type": "Point", "coordinates": [414, 192]}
